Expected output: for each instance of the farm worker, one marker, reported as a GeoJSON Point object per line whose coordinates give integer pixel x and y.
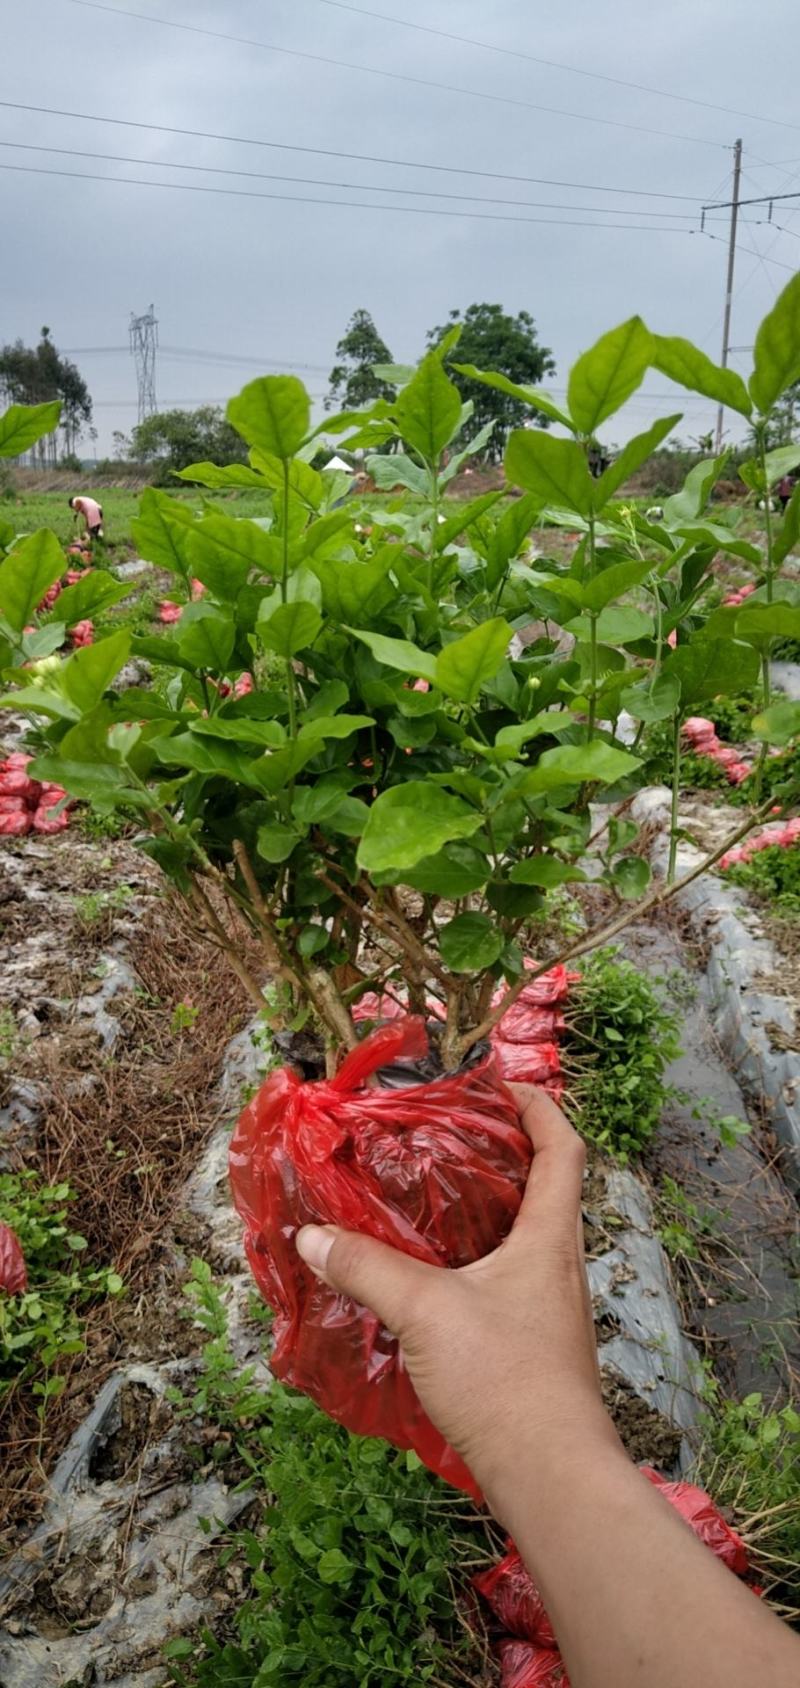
{"type": "Point", "coordinates": [502, 1356]}
{"type": "Point", "coordinates": [88, 514]}
{"type": "Point", "coordinates": [784, 489]}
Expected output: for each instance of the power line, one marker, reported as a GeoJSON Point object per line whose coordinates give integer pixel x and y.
{"type": "Point", "coordinates": [351, 204]}
{"type": "Point", "coordinates": [752, 252]}
{"type": "Point", "coordinates": [391, 75]}
{"type": "Point", "coordinates": [352, 157]}
{"type": "Point", "coordinates": [552, 64]}
{"type": "Point", "coordinates": [358, 187]}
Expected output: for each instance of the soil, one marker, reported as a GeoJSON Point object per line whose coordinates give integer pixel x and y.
{"type": "Point", "coordinates": [143, 1418]}
{"type": "Point", "coordinates": [120, 1098]}
{"type": "Point", "coordinates": [648, 1437]}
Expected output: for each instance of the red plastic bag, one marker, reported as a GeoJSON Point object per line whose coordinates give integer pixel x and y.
{"type": "Point", "coordinates": [524, 1665]}
{"type": "Point", "coordinates": [435, 1169]}
{"type": "Point", "coordinates": [702, 1516]}
{"type": "Point", "coordinates": [531, 1656]}
{"type": "Point", "coordinates": [515, 1601]}
{"type": "Point", "coordinates": [13, 1272]}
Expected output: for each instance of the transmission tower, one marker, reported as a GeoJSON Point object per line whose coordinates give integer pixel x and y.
{"type": "Point", "coordinates": [144, 340]}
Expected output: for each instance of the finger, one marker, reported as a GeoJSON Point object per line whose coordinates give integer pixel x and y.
{"type": "Point", "coordinates": [553, 1191]}
{"type": "Point", "coordinates": [379, 1277]}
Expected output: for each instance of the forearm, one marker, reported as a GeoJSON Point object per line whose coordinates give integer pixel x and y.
{"type": "Point", "coordinates": [634, 1598]}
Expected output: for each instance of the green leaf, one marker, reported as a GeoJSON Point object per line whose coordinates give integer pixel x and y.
{"type": "Point", "coordinates": [86, 674]}
{"type": "Point", "coordinates": [333, 726]}
{"type": "Point", "coordinates": [26, 573]}
{"type": "Point", "coordinates": [398, 469]}
{"type": "Point", "coordinates": [211, 756]}
{"type": "Point", "coordinates": [329, 698]}
{"type": "Point", "coordinates": [24, 424]}
{"type": "Point", "coordinates": [470, 943]}
{"type": "Point", "coordinates": [653, 702]}
{"type": "Point", "coordinates": [605, 376]}
{"type": "Point", "coordinates": [688, 504]}
{"type": "Point", "coordinates": [613, 581]}
{"type": "Point", "coordinates": [43, 640]}
{"type": "Point", "coordinates": [335, 1567]}
{"type": "Point", "coordinates": [114, 1283]}
{"type": "Point", "coordinates": [428, 410]}
{"type": "Point", "coordinates": [276, 842]}
{"type": "Point", "coordinates": [615, 626]}
{"type": "Point", "coordinates": [160, 531]}
{"type": "Point", "coordinates": [398, 653]}
{"type": "Point", "coordinates": [270, 735]}
{"type": "Point", "coordinates": [531, 396]}
{"type": "Point", "coordinates": [554, 469]}
{"type": "Point", "coordinates": [509, 536]}
{"type": "Point", "coordinates": [510, 741]}
{"type": "Point", "coordinates": [455, 871]}
{"type": "Point", "coordinates": [631, 458]}
{"type": "Point", "coordinates": [789, 532]}
{"type": "Point", "coordinates": [272, 414]}
{"type": "Point", "coordinates": [463, 666]}
{"type": "Point", "coordinates": [30, 699]}
{"type": "Point", "coordinates": [680, 361]}
{"type": "Point", "coordinates": [781, 461]}
{"type": "Point", "coordinates": [205, 637]}
{"type": "Point", "coordinates": [760, 623]}
{"type": "Point", "coordinates": [312, 939]}
{"type": "Point", "coordinates": [712, 668]}
{"type": "Point", "coordinates": [96, 592]}
{"type": "Point", "coordinates": [545, 871]}
{"type": "Point", "coordinates": [778, 724]}
{"type": "Point", "coordinates": [412, 821]}
{"type": "Point", "coordinates": [290, 628]}
{"type": "Point", "coordinates": [776, 354]}
{"type": "Point", "coordinates": [221, 551]}
{"type": "Point", "coordinates": [224, 476]}
{"type": "Point", "coordinates": [572, 764]}
{"type": "Point", "coordinates": [631, 877]}
{"type": "Point", "coordinates": [352, 591]}
{"type": "Point", "coordinates": [465, 518]}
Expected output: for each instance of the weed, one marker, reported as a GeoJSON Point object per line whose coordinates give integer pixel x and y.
{"type": "Point", "coordinates": [772, 876]}
{"type": "Point", "coordinates": [43, 1326]}
{"type": "Point", "coordinates": [621, 1036]}
{"type": "Point", "coordinates": [92, 908]}
{"type": "Point", "coordinates": [97, 827]}
{"type": "Point", "coordinates": [750, 1462]}
{"type": "Point", "coordinates": [683, 1225]}
{"type": "Point", "coordinates": [9, 1035]}
{"type": "Point", "coordinates": [184, 1015]}
{"type": "Point", "coordinates": [354, 1566]}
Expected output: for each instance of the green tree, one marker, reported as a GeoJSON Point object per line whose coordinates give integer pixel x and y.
{"type": "Point", "coordinates": [175, 438]}
{"type": "Point", "coordinates": [353, 382]}
{"type": "Point", "coordinates": [37, 374]}
{"type": "Point", "coordinates": [492, 339]}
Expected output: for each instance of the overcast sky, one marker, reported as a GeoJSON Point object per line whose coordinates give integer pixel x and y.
{"type": "Point", "coordinates": [254, 278]}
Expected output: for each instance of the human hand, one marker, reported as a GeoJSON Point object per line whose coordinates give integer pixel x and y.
{"type": "Point", "coordinates": [501, 1352]}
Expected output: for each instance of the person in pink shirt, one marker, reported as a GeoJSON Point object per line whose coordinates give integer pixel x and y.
{"type": "Point", "coordinates": [88, 514]}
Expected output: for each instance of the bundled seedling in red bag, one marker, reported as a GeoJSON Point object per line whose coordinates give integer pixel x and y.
{"type": "Point", "coordinates": [434, 1168]}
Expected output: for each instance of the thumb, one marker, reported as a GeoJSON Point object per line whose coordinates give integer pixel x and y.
{"type": "Point", "coordinates": [381, 1278]}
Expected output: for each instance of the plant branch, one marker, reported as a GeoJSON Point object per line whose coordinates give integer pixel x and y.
{"type": "Point", "coordinates": [657, 898]}
{"type": "Point", "coordinates": [211, 922]}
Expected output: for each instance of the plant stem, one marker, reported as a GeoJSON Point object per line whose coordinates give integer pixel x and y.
{"type": "Point", "coordinates": [662, 894]}
{"type": "Point", "coordinates": [676, 778]}
{"type": "Point", "coordinates": [766, 686]}
{"type": "Point", "coordinates": [433, 470]}
{"type": "Point", "coordinates": [285, 535]}
{"type": "Point", "coordinates": [592, 634]}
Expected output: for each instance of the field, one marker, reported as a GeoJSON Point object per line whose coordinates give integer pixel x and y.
{"type": "Point", "coordinates": [328, 794]}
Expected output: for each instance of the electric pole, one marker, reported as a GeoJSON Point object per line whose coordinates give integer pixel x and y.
{"type": "Point", "coordinates": [726, 326]}
{"type": "Point", "coordinates": [143, 341]}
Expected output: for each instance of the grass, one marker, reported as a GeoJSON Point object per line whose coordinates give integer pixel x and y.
{"type": "Point", "coordinates": [620, 1038]}
{"type": "Point", "coordinates": [28, 511]}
